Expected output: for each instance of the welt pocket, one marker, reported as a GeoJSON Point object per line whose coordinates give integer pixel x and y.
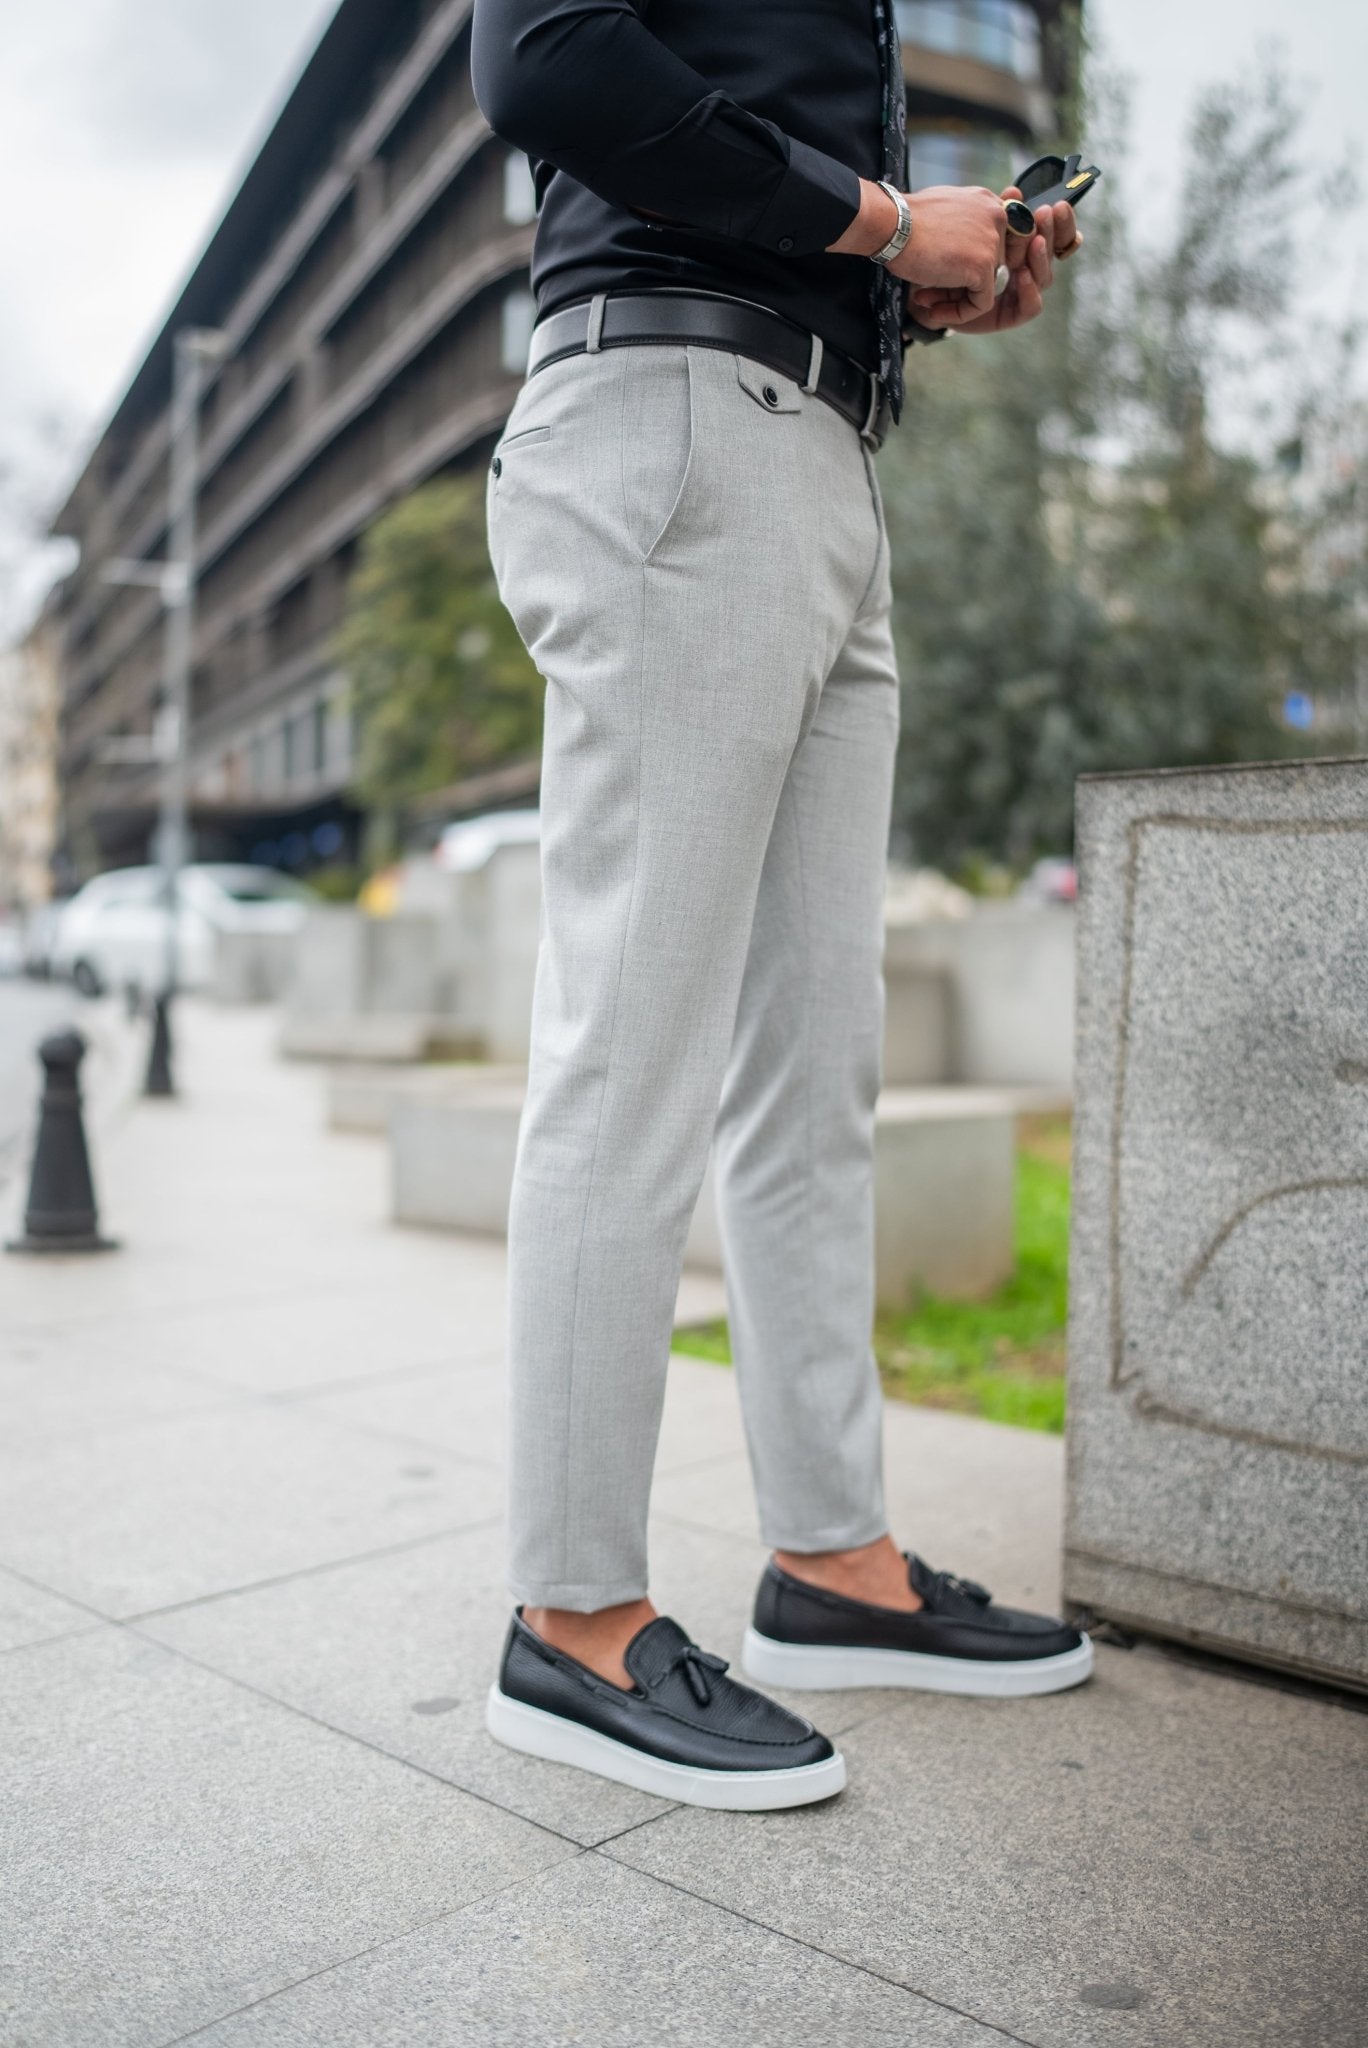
{"type": "Point", "coordinates": [520, 440]}
{"type": "Point", "coordinates": [771, 391]}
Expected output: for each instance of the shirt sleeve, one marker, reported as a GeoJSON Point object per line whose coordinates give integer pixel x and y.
{"type": "Point", "coordinates": [584, 85]}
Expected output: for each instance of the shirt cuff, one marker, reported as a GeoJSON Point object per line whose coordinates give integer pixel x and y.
{"type": "Point", "coordinates": [811, 207]}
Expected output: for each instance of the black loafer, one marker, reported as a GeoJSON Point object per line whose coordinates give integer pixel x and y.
{"type": "Point", "coordinates": [685, 1731]}
{"type": "Point", "coordinates": [812, 1640]}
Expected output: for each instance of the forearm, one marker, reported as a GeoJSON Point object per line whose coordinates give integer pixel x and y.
{"type": "Point", "coordinates": [872, 227]}
{"type": "Point", "coordinates": [584, 85]}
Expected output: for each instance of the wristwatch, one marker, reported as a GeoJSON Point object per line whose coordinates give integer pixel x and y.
{"type": "Point", "coordinates": [902, 233]}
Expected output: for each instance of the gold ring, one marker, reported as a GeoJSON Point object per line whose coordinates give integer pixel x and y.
{"type": "Point", "coordinates": [1061, 255]}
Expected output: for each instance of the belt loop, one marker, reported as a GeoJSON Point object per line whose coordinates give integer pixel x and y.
{"type": "Point", "coordinates": [868, 430]}
{"type": "Point", "coordinates": [814, 368]}
{"type": "Point", "coordinates": [593, 341]}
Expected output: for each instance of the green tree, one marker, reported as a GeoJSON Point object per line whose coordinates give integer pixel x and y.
{"type": "Point", "coordinates": [440, 684]}
{"type": "Point", "coordinates": [1088, 572]}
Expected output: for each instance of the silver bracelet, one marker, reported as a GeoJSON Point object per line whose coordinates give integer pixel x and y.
{"type": "Point", "coordinates": [902, 233]}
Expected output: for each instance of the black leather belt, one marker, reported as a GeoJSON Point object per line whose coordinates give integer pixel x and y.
{"type": "Point", "coordinates": [712, 320]}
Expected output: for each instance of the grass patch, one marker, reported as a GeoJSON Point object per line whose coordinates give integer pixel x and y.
{"type": "Point", "coordinates": [1004, 1357]}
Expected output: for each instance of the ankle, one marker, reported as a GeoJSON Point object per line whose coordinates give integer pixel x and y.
{"type": "Point", "coordinates": [597, 1640]}
{"type": "Point", "coordinates": [875, 1573]}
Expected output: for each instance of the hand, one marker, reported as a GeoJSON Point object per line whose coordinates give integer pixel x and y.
{"type": "Point", "coordinates": [1030, 260]}
{"type": "Point", "coordinates": [956, 246]}
{"type": "Point", "coordinates": [958, 235]}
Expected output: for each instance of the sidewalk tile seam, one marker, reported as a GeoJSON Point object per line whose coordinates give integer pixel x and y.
{"type": "Point", "coordinates": [408, 1438]}
{"type": "Point", "coordinates": [841, 1963]}
{"type": "Point", "coordinates": [304, 1571]}
{"type": "Point", "coordinates": [106, 1316]}
{"type": "Point", "coordinates": [234, 1398]}
{"type": "Point", "coordinates": [290, 1397]}
{"type": "Point", "coordinates": [349, 1735]}
{"type": "Point", "coordinates": [97, 1615]}
{"type": "Point", "coordinates": [372, 1948]}
{"type": "Point", "coordinates": [815, 1948]}
{"type": "Point", "coordinates": [66, 1635]}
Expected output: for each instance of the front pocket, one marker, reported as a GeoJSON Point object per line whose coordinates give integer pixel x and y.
{"type": "Point", "coordinates": [521, 440]}
{"type": "Point", "coordinates": [657, 443]}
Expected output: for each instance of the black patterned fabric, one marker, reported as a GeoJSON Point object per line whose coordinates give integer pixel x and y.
{"type": "Point", "coordinates": [889, 293]}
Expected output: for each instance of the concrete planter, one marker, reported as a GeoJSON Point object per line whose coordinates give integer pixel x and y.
{"type": "Point", "coordinates": [943, 1166]}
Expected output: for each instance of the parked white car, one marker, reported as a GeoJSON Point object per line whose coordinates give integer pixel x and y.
{"type": "Point", "coordinates": [112, 933]}
{"type": "Point", "coordinates": [469, 843]}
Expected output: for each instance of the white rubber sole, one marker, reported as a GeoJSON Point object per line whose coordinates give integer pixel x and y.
{"type": "Point", "coordinates": [819, 1667]}
{"type": "Point", "coordinates": [537, 1733]}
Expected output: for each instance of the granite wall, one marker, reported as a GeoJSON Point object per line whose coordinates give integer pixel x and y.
{"type": "Point", "coordinates": [1218, 1376]}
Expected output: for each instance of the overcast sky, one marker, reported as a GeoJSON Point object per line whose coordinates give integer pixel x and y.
{"type": "Point", "coordinates": [123, 125]}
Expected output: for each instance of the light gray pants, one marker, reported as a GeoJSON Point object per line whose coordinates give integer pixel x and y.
{"type": "Point", "coordinates": [694, 552]}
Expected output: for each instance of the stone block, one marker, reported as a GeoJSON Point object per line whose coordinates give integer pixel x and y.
{"type": "Point", "coordinates": [943, 1192]}
{"type": "Point", "coordinates": [943, 1166]}
{"type": "Point", "coordinates": [360, 1092]}
{"type": "Point", "coordinates": [251, 967]}
{"type": "Point", "coordinates": [348, 965]}
{"type": "Point", "coordinates": [1009, 976]}
{"type": "Point", "coordinates": [917, 1050]}
{"type": "Point", "coordinates": [1218, 1469]}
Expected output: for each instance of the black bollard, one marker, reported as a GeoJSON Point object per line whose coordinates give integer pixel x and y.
{"type": "Point", "coordinates": [159, 1077]}
{"type": "Point", "coordinates": [61, 1214]}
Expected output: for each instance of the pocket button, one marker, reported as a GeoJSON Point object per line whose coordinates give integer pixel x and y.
{"type": "Point", "coordinates": [497, 466]}
{"type": "Point", "coordinates": [770, 395]}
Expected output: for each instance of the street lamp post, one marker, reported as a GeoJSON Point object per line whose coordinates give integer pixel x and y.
{"type": "Point", "coordinates": [194, 347]}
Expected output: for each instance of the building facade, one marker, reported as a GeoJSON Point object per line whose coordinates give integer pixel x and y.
{"type": "Point", "coordinates": [370, 281]}
{"type": "Point", "coordinates": [28, 768]}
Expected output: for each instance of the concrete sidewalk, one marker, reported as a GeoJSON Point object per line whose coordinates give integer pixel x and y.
{"type": "Point", "coordinates": [251, 1599]}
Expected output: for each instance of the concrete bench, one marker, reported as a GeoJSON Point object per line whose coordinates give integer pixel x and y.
{"type": "Point", "coordinates": [943, 1176]}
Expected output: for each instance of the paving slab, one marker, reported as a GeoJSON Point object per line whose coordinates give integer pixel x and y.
{"type": "Point", "coordinates": [177, 1846]}
{"type": "Point", "coordinates": [321, 1336]}
{"type": "Point", "coordinates": [54, 1385]}
{"type": "Point", "coordinates": [974, 1497]}
{"type": "Point", "coordinates": [586, 1953]}
{"type": "Point", "coordinates": [1166, 1858]}
{"type": "Point", "coordinates": [466, 1411]}
{"type": "Point", "coordinates": [29, 1614]}
{"type": "Point", "coordinates": [400, 1649]}
{"type": "Point", "coordinates": [1162, 1858]}
{"type": "Point", "coordinates": [169, 1511]}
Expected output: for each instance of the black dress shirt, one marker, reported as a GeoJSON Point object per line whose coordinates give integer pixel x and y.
{"type": "Point", "coordinates": [740, 127]}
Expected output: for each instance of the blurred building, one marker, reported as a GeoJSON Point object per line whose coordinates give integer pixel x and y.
{"type": "Point", "coordinates": [370, 275]}
{"type": "Point", "coordinates": [28, 767]}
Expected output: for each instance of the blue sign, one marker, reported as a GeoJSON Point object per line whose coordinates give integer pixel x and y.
{"type": "Point", "coordinates": [1299, 710]}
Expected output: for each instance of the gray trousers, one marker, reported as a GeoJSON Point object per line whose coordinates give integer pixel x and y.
{"type": "Point", "coordinates": [694, 552]}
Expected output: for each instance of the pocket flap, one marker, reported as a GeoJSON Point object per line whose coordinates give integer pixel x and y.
{"type": "Point", "coordinates": [771, 391]}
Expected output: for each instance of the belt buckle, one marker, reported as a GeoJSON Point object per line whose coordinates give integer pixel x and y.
{"type": "Point", "coordinates": [876, 418]}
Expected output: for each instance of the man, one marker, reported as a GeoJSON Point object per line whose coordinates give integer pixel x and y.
{"type": "Point", "coordinates": [686, 527]}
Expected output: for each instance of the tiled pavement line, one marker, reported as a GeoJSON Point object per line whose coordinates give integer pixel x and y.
{"type": "Point", "coordinates": [100, 1619]}
{"type": "Point", "coordinates": [128, 1625]}
{"type": "Point", "coordinates": [839, 1963]}
{"type": "Point", "coordinates": [578, 1850]}
{"type": "Point", "coordinates": [813, 1947]}
{"type": "Point", "coordinates": [373, 1948]}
